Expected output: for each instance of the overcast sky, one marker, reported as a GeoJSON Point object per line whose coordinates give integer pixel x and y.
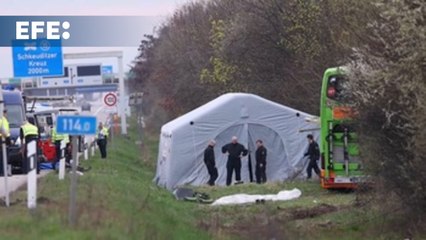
{"type": "Point", "coordinates": [158, 9]}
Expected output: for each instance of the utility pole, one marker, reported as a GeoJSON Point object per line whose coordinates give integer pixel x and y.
{"type": "Point", "coordinates": [122, 98]}
{"type": "Point", "coordinates": [136, 100]}
{"type": "Point", "coordinates": [73, 188]}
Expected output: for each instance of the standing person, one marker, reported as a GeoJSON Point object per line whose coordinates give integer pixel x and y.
{"type": "Point", "coordinates": [6, 126]}
{"type": "Point", "coordinates": [56, 139]}
{"type": "Point", "coordinates": [260, 162]}
{"type": "Point", "coordinates": [4, 135]}
{"type": "Point", "coordinates": [102, 137]}
{"type": "Point", "coordinates": [235, 151]}
{"type": "Point", "coordinates": [68, 152]}
{"type": "Point", "coordinates": [209, 160]}
{"type": "Point", "coordinates": [29, 132]}
{"type": "Point", "coordinates": [314, 154]}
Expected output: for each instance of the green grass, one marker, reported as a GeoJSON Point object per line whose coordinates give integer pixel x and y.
{"type": "Point", "coordinates": [118, 200]}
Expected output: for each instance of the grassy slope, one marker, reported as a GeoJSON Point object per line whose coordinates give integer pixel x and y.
{"type": "Point", "coordinates": [117, 200]}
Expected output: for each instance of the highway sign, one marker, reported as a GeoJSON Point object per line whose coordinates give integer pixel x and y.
{"type": "Point", "coordinates": [110, 99]}
{"type": "Point", "coordinates": [36, 58]}
{"type": "Point", "coordinates": [76, 125]}
{"type": "Point", "coordinates": [107, 70]}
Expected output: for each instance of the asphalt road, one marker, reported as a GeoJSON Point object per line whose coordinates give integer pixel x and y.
{"type": "Point", "coordinates": [98, 109]}
{"type": "Point", "coordinates": [16, 181]}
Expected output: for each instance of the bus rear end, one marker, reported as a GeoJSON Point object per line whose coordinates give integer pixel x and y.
{"type": "Point", "coordinates": [340, 162]}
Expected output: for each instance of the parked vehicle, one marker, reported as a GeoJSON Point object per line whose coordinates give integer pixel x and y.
{"type": "Point", "coordinates": [14, 104]}
{"type": "Point", "coordinates": [341, 165]}
{"type": "Point", "coordinates": [44, 120]}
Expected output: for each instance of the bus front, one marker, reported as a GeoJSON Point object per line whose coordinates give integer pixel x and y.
{"type": "Point", "coordinates": [341, 167]}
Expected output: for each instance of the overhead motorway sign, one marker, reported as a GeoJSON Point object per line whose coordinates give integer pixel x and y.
{"type": "Point", "coordinates": [36, 58]}
{"type": "Point", "coordinates": [76, 125]}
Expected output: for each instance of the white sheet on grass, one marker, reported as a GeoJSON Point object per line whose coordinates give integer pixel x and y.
{"type": "Point", "coordinates": [247, 198]}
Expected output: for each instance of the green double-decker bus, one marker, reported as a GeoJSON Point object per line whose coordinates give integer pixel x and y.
{"type": "Point", "coordinates": [340, 162]}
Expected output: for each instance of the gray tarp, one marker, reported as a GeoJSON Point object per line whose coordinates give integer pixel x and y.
{"type": "Point", "coordinates": [247, 116]}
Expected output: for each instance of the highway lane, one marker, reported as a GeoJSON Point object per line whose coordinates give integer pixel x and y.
{"type": "Point", "coordinates": [16, 181]}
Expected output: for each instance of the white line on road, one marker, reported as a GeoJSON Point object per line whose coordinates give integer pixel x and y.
{"type": "Point", "coordinates": [16, 181]}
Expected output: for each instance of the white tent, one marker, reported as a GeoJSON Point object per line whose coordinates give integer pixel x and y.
{"type": "Point", "coordinates": [247, 116]}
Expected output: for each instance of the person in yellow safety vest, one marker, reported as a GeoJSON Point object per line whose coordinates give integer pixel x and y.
{"type": "Point", "coordinates": [4, 132]}
{"type": "Point", "coordinates": [29, 132]}
{"type": "Point", "coordinates": [5, 127]}
{"type": "Point", "coordinates": [101, 139]}
{"type": "Point", "coordinates": [56, 139]}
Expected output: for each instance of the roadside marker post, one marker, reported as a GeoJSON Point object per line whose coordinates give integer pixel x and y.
{"type": "Point", "coordinates": [32, 175]}
{"type": "Point", "coordinates": [92, 147]}
{"type": "Point", "coordinates": [86, 148]}
{"type": "Point", "coordinates": [86, 152]}
{"type": "Point", "coordinates": [62, 161]}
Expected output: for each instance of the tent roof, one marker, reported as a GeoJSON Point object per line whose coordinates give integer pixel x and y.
{"type": "Point", "coordinates": [220, 103]}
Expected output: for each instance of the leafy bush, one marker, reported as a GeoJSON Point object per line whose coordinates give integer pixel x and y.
{"type": "Point", "coordinates": [389, 90]}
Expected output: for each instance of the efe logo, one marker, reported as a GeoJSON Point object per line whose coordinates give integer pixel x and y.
{"type": "Point", "coordinates": [26, 30]}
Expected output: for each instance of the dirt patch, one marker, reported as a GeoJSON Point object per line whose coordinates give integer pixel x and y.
{"type": "Point", "coordinates": [44, 200]}
{"type": "Point", "coordinates": [312, 212]}
{"type": "Point", "coordinates": [11, 203]}
{"type": "Point", "coordinates": [267, 223]}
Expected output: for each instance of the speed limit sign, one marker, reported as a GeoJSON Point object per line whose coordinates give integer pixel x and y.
{"type": "Point", "coordinates": [110, 99]}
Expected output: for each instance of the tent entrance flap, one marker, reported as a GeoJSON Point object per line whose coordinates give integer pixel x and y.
{"type": "Point", "coordinates": [276, 155]}
{"type": "Point", "coordinates": [223, 138]}
{"type": "Point", "coordinates": [247, 135]}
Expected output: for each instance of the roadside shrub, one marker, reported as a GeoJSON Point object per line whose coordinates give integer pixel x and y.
{"type": "Point", "coordinates": [389, 91]}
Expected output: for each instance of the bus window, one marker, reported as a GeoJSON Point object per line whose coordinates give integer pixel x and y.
{"type": "Point", "coordinates": [336, 88]}
{"type": "Point", "coordinates": [49, 121]}
{"type": "Point", "coordinates": [15, 115]}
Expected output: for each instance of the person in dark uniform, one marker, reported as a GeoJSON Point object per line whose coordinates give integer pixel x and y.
{"type": "Point", "coordinates": [209, 160]}
{"type": "Point", "coordinates": [260, 162]}
{"type": "Point", "coordinates": [235, 151]}
{"type": "Point", "coordinates": [68, 152]}
{"type": "Point", "coordinates": [314, 154]}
